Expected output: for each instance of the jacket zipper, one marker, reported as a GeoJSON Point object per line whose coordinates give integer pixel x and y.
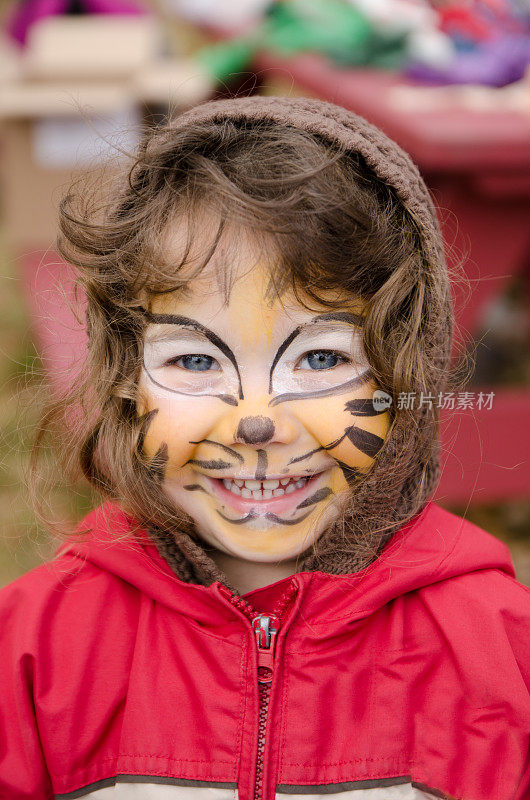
{"type": "Point", "coordinates": [266, 627]}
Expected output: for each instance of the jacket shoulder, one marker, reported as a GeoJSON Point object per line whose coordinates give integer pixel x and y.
{"type": "Point", "coordinates": [477, 566]}
{"type": "Point", "coordinates": [71, 577]}
{"type": "Point", "coordinates": [465, 529]}
{"type": "Point", "coordinates": [57, 575]}
{"type": "Point", "coordinates": [47, 603]}
{"type": "Point", "coordinates": [483, 618]}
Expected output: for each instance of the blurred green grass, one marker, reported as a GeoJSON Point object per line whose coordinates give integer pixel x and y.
{"type": "Point", "coordinates": [24, 541]}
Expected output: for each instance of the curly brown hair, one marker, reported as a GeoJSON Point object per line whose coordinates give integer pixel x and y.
{"type": "Point", "coordinates": [332, 223]}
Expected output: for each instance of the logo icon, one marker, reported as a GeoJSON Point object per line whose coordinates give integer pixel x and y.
{"type": "Point", "coordinates": [381, 401]}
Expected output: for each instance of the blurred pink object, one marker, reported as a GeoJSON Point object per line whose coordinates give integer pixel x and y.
{"type": "Point", "coordinates": [28, 12]}
{"type": "Point", "coordinates": [57, 316]}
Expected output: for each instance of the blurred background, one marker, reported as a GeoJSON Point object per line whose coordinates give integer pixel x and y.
{"type": "Point", "coordinates": [449, 81]}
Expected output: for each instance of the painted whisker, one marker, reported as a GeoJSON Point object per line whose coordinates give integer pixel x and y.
{"type": "Point", "coordinates": [261, 466]}
{"type": "Point", "coordinates": [251, 515]}
{"type": "Point", "coordinates": [318, 449]}
{"type": "Point", "coordinates": [363, 407]}
{"type": "Point", "coordinates": [354, 383]}
{"type": "Point", "coordinates": [158, 463]}
{"type": "Point", "coordinates": [229, 450]}
{"type": "Point", "coordinates": [281, 521]}
{"type": "Point", "coordinates": [193, 324]}
{"type": "Point", "coordinates": [213, 464]}
{"type": "Point", "coordinates": [351, 474]}
{"type": "Point", "coordinates": [317, 497]}
{"type": "Point", "coordinates": [368, 443]}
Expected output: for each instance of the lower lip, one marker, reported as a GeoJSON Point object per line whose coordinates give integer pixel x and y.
{"type": "Point", "coordinates": [275, 505]}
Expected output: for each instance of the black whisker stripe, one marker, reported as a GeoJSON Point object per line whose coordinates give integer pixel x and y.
{"type": "Point", "coordinates": [306, 455]}
{"type": "Point", "coordinates": [281, 521]}
{"type": "Point", "coordinates": [158, 463]}
{"type": "Point", "coordinates": [187, 322]}
{"type": "Point", "coordinates": [247, 518]}
{"type": "Point", "coordinates": [226, 398]}
{"type": "Point", "coordinates": [318, 450]}
{"type": "Point", "coordinates": [216, 463]}
{"type": "Point", "coordinates": [261, 466]}
{"type": "Point", "coordinates": [368, 443]}
{"type": "Point", "coordinates": [332, 316]}
{"type": "Point", "coordinates": [195, 487]}
{"type": "Point", "coordinates": [363, 407]}
{"type": "Point", "coordinates": [281, 350]}
{"type": "Point", "coordinates": [317, 497]}
{"type": "Point", "coordinates": [145, 421]}
{"type": "Point", "coordinates": [351, 474]}
{"type": "Point", "coordinates": [229, 450]}
{"type": "Point", "coordinates": [354, 383]}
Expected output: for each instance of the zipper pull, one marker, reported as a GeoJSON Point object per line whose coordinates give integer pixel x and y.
{"type": "Point", "coordinates": [265, 627]}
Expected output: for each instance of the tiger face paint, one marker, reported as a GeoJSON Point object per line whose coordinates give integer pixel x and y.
{"type": "Point", "coordinates": [256, 412]}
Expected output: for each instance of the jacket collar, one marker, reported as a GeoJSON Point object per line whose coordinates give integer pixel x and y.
{"type": "Point", "coordinates": [433, 546]}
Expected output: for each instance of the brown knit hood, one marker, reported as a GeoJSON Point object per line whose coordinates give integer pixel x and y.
{"type": "Point", "coordinates": [406, 469]}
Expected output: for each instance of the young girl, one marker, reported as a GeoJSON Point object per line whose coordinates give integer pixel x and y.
{"type": "Point", "coordinates": [268, 603]}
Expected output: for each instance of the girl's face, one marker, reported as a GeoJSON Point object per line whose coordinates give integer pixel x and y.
{"type": "Point", "coordinates": [258, 410]}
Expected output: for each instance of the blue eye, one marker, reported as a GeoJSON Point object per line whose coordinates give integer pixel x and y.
{"type": "Point", "coordinates": [321, 359]}
{"type": "Point", "coordinates": [195, 362]}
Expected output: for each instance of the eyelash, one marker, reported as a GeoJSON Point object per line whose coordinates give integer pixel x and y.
{"type": "Point", "coordinates": [172, 362]}
{"type": "Point", "coordinates": [343, 359]}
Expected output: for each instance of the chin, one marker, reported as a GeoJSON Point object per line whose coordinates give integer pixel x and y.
{"type": "Point", "coordinates": [267, 558]}
{"type": "Point", "coordinates": [263, 546]}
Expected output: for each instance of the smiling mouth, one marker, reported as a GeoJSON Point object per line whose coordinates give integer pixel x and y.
{"type": "Point", "coordinates": [271, 495]}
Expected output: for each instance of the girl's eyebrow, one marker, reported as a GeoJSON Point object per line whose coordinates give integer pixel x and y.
{"type": "Point", "coordinates": [177, 333]}
{"type": "Point", "coordinates": [188, 322]}
{"type": "Point", "coordinates": [339, 316]}
{"type": "Point", "coordinates": [333, 316]}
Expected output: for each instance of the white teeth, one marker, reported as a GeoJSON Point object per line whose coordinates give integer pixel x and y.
{"type": "Point", "coordinates": [263, 490]}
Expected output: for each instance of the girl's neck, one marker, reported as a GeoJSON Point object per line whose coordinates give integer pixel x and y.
{"type": "Point", "coordinates": [249, 575]}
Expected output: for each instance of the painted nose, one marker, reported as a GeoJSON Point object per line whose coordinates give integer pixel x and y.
{"type": "Point", "coordinates": [255, 430]}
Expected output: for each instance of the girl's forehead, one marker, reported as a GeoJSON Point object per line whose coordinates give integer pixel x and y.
{"type": "Point", "coordinates": [233, 271]}
{"type": "Point", "coordinates": [247, 307]}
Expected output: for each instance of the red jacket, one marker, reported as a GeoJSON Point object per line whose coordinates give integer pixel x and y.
{"type": "Point", "coordinates": [407, 680]}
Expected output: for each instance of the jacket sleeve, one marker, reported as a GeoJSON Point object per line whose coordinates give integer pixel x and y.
{"type": "Point", "coordinates": [517, 626]}
{"type": "Point", "coordinates": [523, 792]}
{"type": "Point", "coordinates": [23, 773]}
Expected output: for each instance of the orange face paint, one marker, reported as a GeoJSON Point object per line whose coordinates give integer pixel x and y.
{"type": "Point", "coordinates": [265, 409]}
